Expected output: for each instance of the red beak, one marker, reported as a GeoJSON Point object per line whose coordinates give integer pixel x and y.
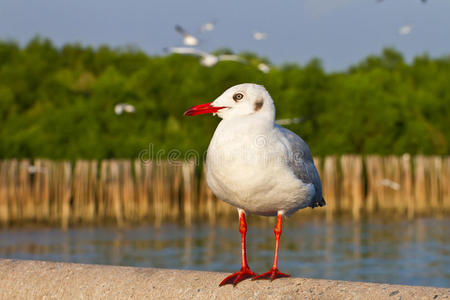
{"type": "Point", "coordinates": [202, 109]}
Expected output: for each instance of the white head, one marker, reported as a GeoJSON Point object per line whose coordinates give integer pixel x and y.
{"type": "Point", "coordinates": [245, 99]}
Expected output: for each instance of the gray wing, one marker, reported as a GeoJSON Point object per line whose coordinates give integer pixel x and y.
{"type": "Point", "coordinates": [302, 164]}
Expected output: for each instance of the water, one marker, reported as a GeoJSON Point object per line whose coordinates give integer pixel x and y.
{"type": "Point", "coordinates": [413, 252]}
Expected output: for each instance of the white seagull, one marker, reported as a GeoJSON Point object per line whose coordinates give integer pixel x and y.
{"type": "Point", "coordinates": [208, 26]}
{"type": "Point", "coordinates": [257, 166]}
{"type": "Point", "coordinates": [405, 30]}
{"type": "Point", "coordinates": [124, 107]}
{"type": "Point", "coordinates": [390, 183]}
{"type": "Point", "coordinates": [188, 39]}
{"type": "Point", "coordinates": [32, 169]}
{"type": "Point", "coordinates": [259, 36]}
{"type": "Point", "coordinates": [290, 121]}
{"type": "Point", "coordinates": [206, 59]}
{"type": "Point", "coordinates": [265, 68]}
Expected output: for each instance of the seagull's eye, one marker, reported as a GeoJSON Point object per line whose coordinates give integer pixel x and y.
{"type": "Point", "coordinates": [238, 97]}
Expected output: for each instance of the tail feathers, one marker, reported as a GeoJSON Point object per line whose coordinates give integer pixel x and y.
{"type": "Point", "coordinates": [316, 203]}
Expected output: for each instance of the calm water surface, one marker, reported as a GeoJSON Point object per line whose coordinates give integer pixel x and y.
{"type": "Point", "coordinates": [413, 252]}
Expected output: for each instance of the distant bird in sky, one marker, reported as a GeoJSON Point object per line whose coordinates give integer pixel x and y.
{"type": "Point", "coordinates": [208, 26]}
{"type": "Point", "coordinates": [257, 166]}
{"type": "Point", "coordinates": [265, 68]}
{"type": "Point", "coordinates": [206, 59]}
{"type": "Point", "coordinates": [405, 30]}
{"type": "Point", "coordinates": [260, 36]}
{"type": "Point", "coordinates": [290, 121]}
{"type": "Point", "coordinates": [124, 107]}
{"type": "Point", "coordinates": [188, 39]}
{"type": "Point", "coordinates": [423, 1]}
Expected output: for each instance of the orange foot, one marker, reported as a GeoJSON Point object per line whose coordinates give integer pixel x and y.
{"type": "Point", "coordinates": [272, 274]}
{"type": "Point", "coordinates": [239, 276]}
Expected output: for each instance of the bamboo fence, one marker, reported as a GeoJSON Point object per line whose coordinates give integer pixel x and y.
{"type": "Point", "coordinates": [130, 191]}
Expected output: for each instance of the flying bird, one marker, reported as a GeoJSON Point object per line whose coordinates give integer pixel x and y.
{"type": "Point", "coordinates": [188, 39]}
{"type": "Point", "coordinates": [32, 169]}
{"type": "Point", "coordinates": [423, 1]}
{"type": "Point", "coordinates": [391, 184]}
{"type": "Point", "coordinates": [206, 59]}
{"type": "Point", "coordinates": [405, 30]}
{"type": "Point", "coordinates": [265, 68]}
{"type": "Point", "coordinates": [260, 36]}
{"type": "Point", "coordinates": [124, 107]}
{"type": "Point", "coordinates": [257, 166]}
{"type": "Point", "coordinates": [208, 26]}
{"type": "Point", "coordinates": [290, 121]}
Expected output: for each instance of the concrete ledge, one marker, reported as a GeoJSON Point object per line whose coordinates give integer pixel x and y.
{"type": "Point", "coordinates": [21, 279]}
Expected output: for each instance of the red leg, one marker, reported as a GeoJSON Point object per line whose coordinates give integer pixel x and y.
{"type": "Point", "coordinates": [274, 273]}
{"type": "Point", "coordinates": [245, 271]}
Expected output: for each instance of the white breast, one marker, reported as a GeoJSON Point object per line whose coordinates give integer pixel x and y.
{"type": "Point", "coordinates": [247, 168]}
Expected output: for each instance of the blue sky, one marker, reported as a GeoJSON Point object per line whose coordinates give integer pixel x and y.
{"type": "Point", "coordinates": [339, 32]}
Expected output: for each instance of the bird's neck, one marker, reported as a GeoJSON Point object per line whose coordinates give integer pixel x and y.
{"type": "Point", "coordinates": [251, 125]}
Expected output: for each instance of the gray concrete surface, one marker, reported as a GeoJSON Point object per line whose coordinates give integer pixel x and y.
{"type": "Point", "coordinates": [22, 279]}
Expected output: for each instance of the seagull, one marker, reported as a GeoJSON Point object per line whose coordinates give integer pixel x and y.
{"type": "Point", "coordinates": [32, 169]}
{"type": "Point", "coordinates": [257, 166]}
{"type": "Point", "coordinates": [259, 36]}
{"type": "Point", "coordinates": [206, 59]}
{"type": "Point", "coordinates": [405, 30]}
{"type": "Point", "coordinates": [290, 121]}
{"type": "Point", "coordinates": [390, 183]}
{"type": "Point", "coordinates": [188, 39]}
{"type": "Point", "coordinates": [423, 1]}
{"type": "Point", "coordinates": [265, 68]}
{"type": "Point", "coordinates": [124, 107]}
{"type": "Point", "coordinates": [208, 26]}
